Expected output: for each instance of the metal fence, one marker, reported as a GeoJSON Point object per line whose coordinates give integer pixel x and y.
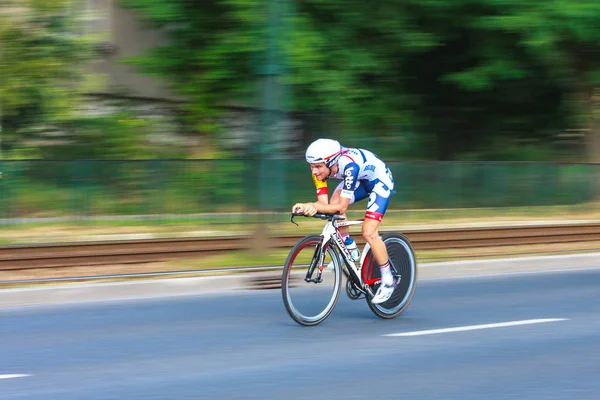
{"type": "Point", "coordinates": [105, 188]}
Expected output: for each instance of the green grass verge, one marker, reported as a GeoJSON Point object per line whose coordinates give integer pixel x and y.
{"type": "Point", "coordinates": [278, 223]}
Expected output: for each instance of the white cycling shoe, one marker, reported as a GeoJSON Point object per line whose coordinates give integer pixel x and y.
{"type": "Point", "coordinates": [385, 292]}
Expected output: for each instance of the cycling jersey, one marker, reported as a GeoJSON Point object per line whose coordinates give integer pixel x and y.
{"type": "Point", "coordinates": [363, 175]}
{"type": "Point", "coordinates": [321, 186]}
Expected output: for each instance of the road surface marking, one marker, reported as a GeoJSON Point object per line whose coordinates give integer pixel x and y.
{"type": "Point", "coordinates": [476, 327]}
{"type": "Point", "coordinates": [11, 376]}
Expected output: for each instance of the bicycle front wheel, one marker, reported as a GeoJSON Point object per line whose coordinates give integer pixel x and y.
{"type": "Point", "coordinates": [311, 293]}
{"type": "Point", "coordinates": [404, 266]}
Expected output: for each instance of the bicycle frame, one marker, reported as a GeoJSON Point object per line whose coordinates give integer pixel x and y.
{"type": "Point", "coordinates": [331, 235]}
{"type": "Point", "coordinates": [360, 279]}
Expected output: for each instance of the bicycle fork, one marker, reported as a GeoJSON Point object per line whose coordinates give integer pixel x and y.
{"type": "Point", "coordinates": [317, 260]}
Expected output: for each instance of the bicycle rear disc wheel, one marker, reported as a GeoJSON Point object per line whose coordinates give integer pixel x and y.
{"type": "Point", "coordinates": [403, 261]}
{"type": "Point", "coordinates": [310, 303]}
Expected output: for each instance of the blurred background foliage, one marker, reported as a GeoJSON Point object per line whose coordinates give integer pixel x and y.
{"type": "Point", "coordinates": [445, 80]}
{"type": "Point", "coordinates": [454, 79]}
{"type": "Point", "coordinates": [45, 106]}
{"type": "Point", "coordinates": [250, 81]}
{"type": "Point", "coordinates": [41, 79]}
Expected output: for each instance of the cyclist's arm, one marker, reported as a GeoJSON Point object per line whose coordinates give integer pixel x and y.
{"type": "Point", "coordinates": [313, 208]}
{"type": "Point", "coordinates": [350, 180]}
{"type": "Point", "coordinates": [322, 191]}
{"type": "Point", "coordinates": [323, 199]}
{"type": "Point", "coordinates": [340, 207]}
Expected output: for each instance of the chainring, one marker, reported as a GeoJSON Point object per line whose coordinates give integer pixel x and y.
{"type": "Point", "coordinates": [351, 290]}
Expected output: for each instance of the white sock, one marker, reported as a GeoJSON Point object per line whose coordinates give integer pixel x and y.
{"type": "Point", "coordinates": [386, 274]}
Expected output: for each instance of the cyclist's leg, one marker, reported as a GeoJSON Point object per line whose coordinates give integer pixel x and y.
{"type": "Point", "coordinates": [379, 197]}
{"type": "Point", "coordinates": [335, 198]}
{"type": "Point", "coordinates": [376, 207]}
{"type": "Point", "coordinates": [370, 231]}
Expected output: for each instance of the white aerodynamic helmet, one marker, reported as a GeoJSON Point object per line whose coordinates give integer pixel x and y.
{"type": "Point", "coordinates": [324, 150]}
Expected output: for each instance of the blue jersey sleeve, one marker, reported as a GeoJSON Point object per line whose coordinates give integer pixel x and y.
{"type": "Point", "coordinates": [350, 180]}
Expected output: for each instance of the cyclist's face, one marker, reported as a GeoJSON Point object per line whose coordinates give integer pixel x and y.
{"type": "Point", "coordinates": [319, 170]}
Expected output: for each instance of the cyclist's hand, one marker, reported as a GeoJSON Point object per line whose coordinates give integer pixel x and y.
{"type": "Point", "coordinates": [305, 209]}
{"type": "Point", "coordinates": [298, 209]}
{"type": "Point", "coordinates": [310, 209]}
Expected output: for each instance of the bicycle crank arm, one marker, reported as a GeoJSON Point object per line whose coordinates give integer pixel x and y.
{"type": "Point", "coordinates": [368, 290]}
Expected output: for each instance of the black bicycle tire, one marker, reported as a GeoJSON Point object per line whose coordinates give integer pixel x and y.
{"type": "Point", "coordinates": [380, 309]}
{"type": "Point", "coordinates": [295, 314]}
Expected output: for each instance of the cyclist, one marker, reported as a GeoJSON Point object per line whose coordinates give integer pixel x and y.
{"type": "Point", "coordinates": [363, 176]}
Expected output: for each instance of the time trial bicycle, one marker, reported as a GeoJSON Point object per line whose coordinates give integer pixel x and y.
{"type": "Point", "coordinates": [312, 273]}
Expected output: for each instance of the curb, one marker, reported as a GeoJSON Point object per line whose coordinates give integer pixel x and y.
{"type": "Point", "coordinates": [192, 286]}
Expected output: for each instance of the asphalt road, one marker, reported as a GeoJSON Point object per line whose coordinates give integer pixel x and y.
{"type": "Point", "coordinates": [520, 336]}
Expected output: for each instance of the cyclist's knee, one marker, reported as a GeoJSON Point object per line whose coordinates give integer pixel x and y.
{"type": "Point", "coordinates": [370, 233]}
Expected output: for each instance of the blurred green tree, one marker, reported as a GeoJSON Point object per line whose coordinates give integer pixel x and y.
{"type": "Point", "coordinates": [41, 76]}
{"type": "Point", "coordinates": [429, 66]}
{"type": "Point", "coordinates": [476, 88]}
{"type": "Point", "coordinates": [210, 57]}
{"type": "Point", "coordinates": [450, 77]}
{"type": "Point", "coordinates": [564, 36]}
{"type": "Point", "coordinates": [339, 59]}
